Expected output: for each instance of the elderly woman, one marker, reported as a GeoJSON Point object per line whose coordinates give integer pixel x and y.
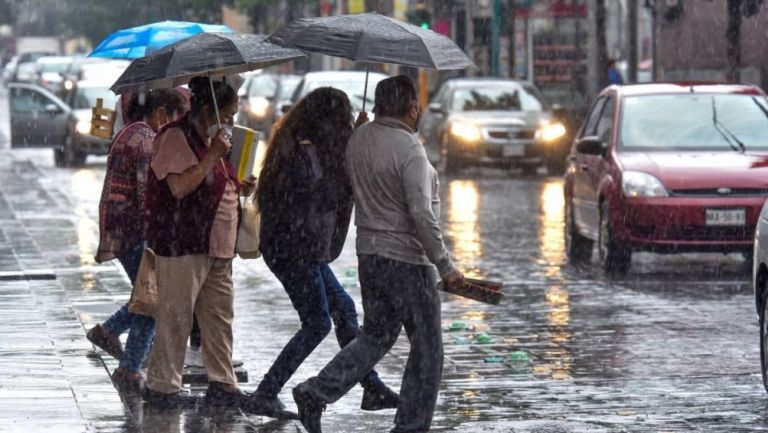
{"type": "Point", "coordinates": [192, 219]}
{"type": "Point", "coordinates": [121, 227]}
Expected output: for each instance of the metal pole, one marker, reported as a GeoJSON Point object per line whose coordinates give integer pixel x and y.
{"type": "Point", "coordinates": [495, 35]}
{"type": "Point", "coordinates": [654, 48]}
{"type": "Point", "coordinates": [632, 58]}
{"type": "Point", "coordinates": [470, 31]}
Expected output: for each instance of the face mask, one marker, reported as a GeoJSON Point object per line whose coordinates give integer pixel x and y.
{"type": "Point", "coordinates": [214, 129]}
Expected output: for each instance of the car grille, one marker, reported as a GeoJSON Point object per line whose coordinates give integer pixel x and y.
{"type": "Point", "coordinates": [713, 192]}
{"type": "Point", "coordinates": [695, 233]}
{"type": "Point", "coordinates": [515, 134]}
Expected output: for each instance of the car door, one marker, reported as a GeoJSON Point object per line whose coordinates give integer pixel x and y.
{"type": "Point", "coordinates": [583, 191]}
{"type": "Point", "coordinates": [37, 118]}
{"type": "Point", "coordinates": [597, 166]}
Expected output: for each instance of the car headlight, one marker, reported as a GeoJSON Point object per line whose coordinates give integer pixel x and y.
{"type": "Point", "coordinates": [550, 132]}
{"type": "Point", "coordinates": [83, 127]}
{"type": "Point", "coordinates": [465, 131]}
{"type": "Point", "coordinates": [638, 184]}
{"type": "Point", "coordinates": [69, 84]}
{"type": "Point", "coordinates": [258, 105]}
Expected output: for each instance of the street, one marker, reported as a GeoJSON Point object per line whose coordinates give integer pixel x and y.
{"type": "Point", "coordinates": [672, 346]}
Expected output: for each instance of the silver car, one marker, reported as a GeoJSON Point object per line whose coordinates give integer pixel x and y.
{"type": "Point", "coordinates": [492, 122]}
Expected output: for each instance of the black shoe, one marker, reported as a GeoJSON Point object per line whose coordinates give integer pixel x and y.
{"type": "Point", "coordinates": [261, 404]}
{"type": "Point", "coordinates": [379, 397]}
{"type": "Point", "coordinates": [174, 400]}
{"type": "Point", "coordinates": [217, 395]}
{"type": "Point", "coordinates": [128, 382]}
{"type": "Point", "coordinates": [310, 409]}
{"type": "Point", "coordinates": [107, 342]}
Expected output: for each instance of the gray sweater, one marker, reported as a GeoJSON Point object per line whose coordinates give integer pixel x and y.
{"type": "Point", "coordinates": [397, 205]}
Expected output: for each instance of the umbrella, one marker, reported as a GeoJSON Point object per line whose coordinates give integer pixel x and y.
{"type": "Point", "coordinates": [205, 54]}
{"type": "Point", "coordinates": [139, 41]}
{"type": "Point", "coordinates": [373, 38]}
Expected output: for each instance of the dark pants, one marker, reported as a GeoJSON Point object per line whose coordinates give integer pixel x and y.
{"type": "Point", "coordinates": [319, 299]}
{"type": "Point", "coordinates": [395, 295]}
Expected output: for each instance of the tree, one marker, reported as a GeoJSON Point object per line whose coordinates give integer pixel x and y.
{"type": "Point", "coordinates": [737, 9]}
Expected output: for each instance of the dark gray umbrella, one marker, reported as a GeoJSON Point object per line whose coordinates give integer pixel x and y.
{"type": "Point", "coordinates": [205, 54]}
{"type": "Point", "coordinates": [373, 38]}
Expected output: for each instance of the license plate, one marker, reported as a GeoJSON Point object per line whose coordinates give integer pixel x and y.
{"type": "Point", "coordinates": [512, 150]}
{"type": "Point", "coordinates": [725, 217]}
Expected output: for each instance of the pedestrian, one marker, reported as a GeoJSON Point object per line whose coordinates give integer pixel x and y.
{"type": "Point", "coordinates": [121, 225]}
{"type": "Point", "coordinates": [397, 208]}
{"type": "Point", "coordinates": [192, 220]}
{"type": "Point", "coordinates": [614, 76]}
{"type": "Point", "coordinates": [306, 204]}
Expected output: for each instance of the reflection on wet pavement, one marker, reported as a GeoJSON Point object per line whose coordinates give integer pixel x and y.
{"type": "Point", "coordinates": [671, 347]}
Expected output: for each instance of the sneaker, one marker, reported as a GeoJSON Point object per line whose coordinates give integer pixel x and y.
{"type": "Point", "coordinates": [194, 358]}
{"type": "Point", "coordinates": [261, 404]}
{"type": "Point", "coordinates": [174, 400]}
{"type": "Point", "coordinates": [379, 397]}
{"type": "Point", "coordinates": [128, 382]}
{"type": "Point", "coordinates": [310, 409]}
{"type": "Point", "coordinates": [218, 395]}
{"type": "Point", "coordinates": [106, 341]}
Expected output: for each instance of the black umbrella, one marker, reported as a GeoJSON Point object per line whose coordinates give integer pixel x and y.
{"type": "Point", "coordinates": [373, 38]}
{"type": "Point", "coordinates": [205, 54]}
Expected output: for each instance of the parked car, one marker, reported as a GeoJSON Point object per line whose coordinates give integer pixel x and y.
{"type": "Point", "coordinates": [51, 70]}
{"type": "Point", "coordinates": [29, 57]}
{"type": "Point", "coordinates": [667, 168]}
{"type": "Point", "coordinates": [760, 286]}
{"type": "Point", "coordinates": [9, 71]}
{"type": "Point", "coordinates": [26, 73]}
{"type": "Point", "coordinates": [350, 82]}
{"type": "Point", "coordinates": [259, 99]}
{"type": "Point", "coordinates": [40, 118]}
{"type": "Point", "coordinates": [492, 122]}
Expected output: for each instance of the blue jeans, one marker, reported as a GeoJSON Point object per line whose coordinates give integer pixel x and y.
{"type": "Point", "coordinates": [319, 298]}
{"type": "Point", "coordinates": [142, 328]}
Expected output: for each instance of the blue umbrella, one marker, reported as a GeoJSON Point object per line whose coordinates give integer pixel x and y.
{"type": "Point", "coordinates": [137, 42]}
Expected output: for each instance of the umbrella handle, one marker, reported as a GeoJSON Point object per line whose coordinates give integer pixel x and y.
{"type": "Point", "coordinates": [215, 105]}
{"type": "Point", "coordinates": [365, 91]}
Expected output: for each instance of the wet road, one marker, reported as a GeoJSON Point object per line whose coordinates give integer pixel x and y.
{"type": "Point", "coordinates": [671, 347]}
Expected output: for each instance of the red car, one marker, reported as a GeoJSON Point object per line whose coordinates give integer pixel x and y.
{"type": "Point", "coordinates": [667, 168]}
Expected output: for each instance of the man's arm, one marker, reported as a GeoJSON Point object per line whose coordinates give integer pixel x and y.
{"type": "Point", "coordinates": [417, 182]}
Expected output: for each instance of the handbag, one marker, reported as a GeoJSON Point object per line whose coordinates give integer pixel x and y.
{"type": "Point", "coordinates": [247, 245]}
{"type": "Point", "coordinates": [144, 295]}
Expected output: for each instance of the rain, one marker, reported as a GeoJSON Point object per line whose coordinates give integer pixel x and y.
{"type": "Point", "coordinates": [383, 216]}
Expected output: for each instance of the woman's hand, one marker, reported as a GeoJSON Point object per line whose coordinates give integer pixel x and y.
{"type": "Point", "coordinates": [220, 145]}
{"type": "Point", "coordinates": [248, 186]}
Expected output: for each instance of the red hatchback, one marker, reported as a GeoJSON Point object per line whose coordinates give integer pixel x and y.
{"type": "Point", "coordinates": [667, 168]}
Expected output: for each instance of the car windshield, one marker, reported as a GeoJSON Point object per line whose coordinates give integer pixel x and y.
{"type": "Point", "coordinates": [287, 87]}
{"type": "Point", "coordinates": [354, 89]}
{"type": "Point", "coordinates": [694, 122]}
{"type": "Point", "coordinates": [86, 97]}
{"type": "Point", "coordinates": [497, 98]}
{"type": "Point", "coordinates": [262, 85]}
{"type": "Point", "coordinates": [54, 67]}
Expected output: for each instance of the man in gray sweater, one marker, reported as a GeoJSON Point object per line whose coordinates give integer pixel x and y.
{"type": "Point", "coordinates": [398, 245]}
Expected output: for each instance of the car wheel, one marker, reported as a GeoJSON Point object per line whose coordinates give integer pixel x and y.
{"type": "Point", "coordinates": [449, 164]}
{"type": "Point", "coordinates": [71, 157]}
{"type": "Point", "coordinates": [578, 248]}
{"type": "Point", "coordinates": [764, 337]}
{"type": "Point", "coordinates": [614, 257]}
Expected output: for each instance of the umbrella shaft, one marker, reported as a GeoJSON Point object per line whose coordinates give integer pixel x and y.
{"type": "Point", "coordinates": [365, 90]}
{"type": "Point", "coordinates": [215, 105]}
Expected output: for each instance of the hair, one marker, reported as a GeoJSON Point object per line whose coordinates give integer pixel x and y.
{"type": "Point", "coordinates": [323, 117]}
{"type": "Point", "coordinates": [143, 104]}
{"type": "Point", "coordinates": [202, 97]}
{"type": "Point", "coordinates": [395, 96]}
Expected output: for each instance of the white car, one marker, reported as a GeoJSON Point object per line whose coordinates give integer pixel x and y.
{"type": "Point", "coordinates": [350, 82]}
{"type": "Point", "coordinates": [760, 285]}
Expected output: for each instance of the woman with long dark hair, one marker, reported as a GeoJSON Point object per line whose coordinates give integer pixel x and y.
{"type": "Point", "coordinates": [306, 202]}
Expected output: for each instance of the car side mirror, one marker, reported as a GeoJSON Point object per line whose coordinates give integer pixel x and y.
{"type": "Point", "coordinates": [286, 108]}
{"type": "Point", "coordinates": [52, 109]}
{"type": "Point", "coordinates": [591, 145]}
{"type": "Point", "coordinates": [436, 107]}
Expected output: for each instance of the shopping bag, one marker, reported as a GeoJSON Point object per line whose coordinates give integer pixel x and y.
{"type": "Point", "coordinates": [247, 245]}
{"type": "Point", "coordinates": [144, 294]}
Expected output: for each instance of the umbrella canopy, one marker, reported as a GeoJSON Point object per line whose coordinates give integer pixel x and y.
{"type": "Point", "coordinates": [373, 38]}
{"type": "Point", "coordinates": [205, 54]}
{"type": "Point", "coordinates": [139, 41]}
